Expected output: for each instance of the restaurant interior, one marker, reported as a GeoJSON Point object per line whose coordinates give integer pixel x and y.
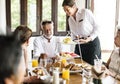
{"type": "Point", "coordinates": [31, 12]}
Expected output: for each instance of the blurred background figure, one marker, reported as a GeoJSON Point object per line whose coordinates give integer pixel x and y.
{"type": "Point", "coordinates": [11, 63]}
{"type": "Point", "coordinates": [113, 63]}
{"type": "Point", "coordinates": [24, 33]}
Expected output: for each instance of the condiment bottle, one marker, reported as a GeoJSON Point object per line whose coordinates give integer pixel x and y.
{"type": "Point", "coordinates": [56, 76]}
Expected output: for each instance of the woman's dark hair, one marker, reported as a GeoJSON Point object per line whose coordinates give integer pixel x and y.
{"type": "Point", "coordinates": [68, 3]}
{"type": "Point", "coordinates": [23, 33]}
{"type": "Point", "coordinates": [10, 55]}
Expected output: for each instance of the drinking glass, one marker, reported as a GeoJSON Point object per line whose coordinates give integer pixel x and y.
{"type": "Point", "coordinates": [34, 63]}
{"type": "Point", "coordinates": [63, 61]}
{"type": "Point", "coordinates": [97, 65]}
{"type": "Point", "coordinates": [65, 74]}
{"type": "Point", "coordinates": [43, 62]}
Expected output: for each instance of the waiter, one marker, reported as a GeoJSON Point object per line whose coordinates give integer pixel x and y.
{"type": "Point", "coordinates": [83, 28]}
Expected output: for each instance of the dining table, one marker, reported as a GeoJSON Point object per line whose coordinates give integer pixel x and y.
{"type": "Point", "coordinates": [75, 78]}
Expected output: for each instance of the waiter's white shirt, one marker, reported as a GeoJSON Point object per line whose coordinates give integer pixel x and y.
{"type": "Point", "coordinates": [85, 28]}
{"type": "Point", "coordinates": [41, 45]}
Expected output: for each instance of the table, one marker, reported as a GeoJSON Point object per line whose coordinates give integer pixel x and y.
{"type": "Point", "coordinates": [75, 78]}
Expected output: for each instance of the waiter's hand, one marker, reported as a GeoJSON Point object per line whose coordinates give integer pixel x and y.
{"type": "Point", "coordinates": [82, 41]}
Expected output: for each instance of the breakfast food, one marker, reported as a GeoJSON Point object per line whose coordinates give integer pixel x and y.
{"type": "Point", "coordinates": [75, 68]}
{"type": "Point", "coordinates": [65, 54]}
{"type": "Point", "coordinates": [69, 66]}
{"type": "Point", "coordinates": [57, 64]}
{"type": "Point", "coordinates": [39, 71]}
{"type": "Point", "coordinates": [67, 40]}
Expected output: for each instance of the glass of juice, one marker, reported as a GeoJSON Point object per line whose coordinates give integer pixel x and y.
{"type": "Point", "coordinates": [34, 63]}
{"type": "Point", "coordinates": [65, 74]}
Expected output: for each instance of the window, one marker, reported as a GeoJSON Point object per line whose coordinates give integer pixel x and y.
{"type": "Point", "coordinates": [46, 9]}
{"type": "Point", "coordinates": [61, 17]}
{"type": "Point", "coordinates": [15, 14]}
{"type": "Point", "coordinates": [31, 12]}
{"type": "Point", "coordinates": [31, 22]}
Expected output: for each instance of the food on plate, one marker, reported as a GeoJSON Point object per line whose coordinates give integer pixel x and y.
{"type": "Point", "coordinates": [68, 54]}
{"type": "Point", "coordinates": [75, 68]}
{"type": "Point", "coordinates": [67, 40]}
{"type": "Point", "coordinates": [39, 71]}
{"type": "Point", "coordinates": [69, 66]}
{"type": "Point", "coordinates": [73, 54]}
{"type": "Point", "coordinates": [56, 64]}
{"type": "Point", "coordinates": [65, 54]}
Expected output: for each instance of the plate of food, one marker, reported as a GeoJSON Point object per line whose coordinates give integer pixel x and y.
{"type": "Point", "coordinates": [40, 72]}
{"type": "Point", "coordinates": [67, 41]}
{"type": "Point", "coordinates": [69, 54]}
{"type": "Point", "coordinates": [74, 68]}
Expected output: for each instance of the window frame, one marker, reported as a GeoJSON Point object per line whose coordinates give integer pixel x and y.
{"type": "Point", "coordinates": [23, 16]}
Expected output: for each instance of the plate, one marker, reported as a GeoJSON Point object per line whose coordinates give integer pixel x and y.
{"type": "Point", "coordinates": [45, 75]}
{"type": "Point", "coordinates": [75, 71]}
{"type": "Point", "coordinates": [70, 54]}
{"type": "Point", "coordinates": [71, 43]}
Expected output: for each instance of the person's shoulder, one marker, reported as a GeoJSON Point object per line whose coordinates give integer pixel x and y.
{"type": "Point", "coordinates": [115, 53]}
{"type": "Point", "coordinates": [38, 37]}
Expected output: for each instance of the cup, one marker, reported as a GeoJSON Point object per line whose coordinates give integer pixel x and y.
{"type": "Point", "coordinates": [65, 74]}
{"type": "Point", "coordinates": [64, 61]}
{"type": "Point", "coordinates": [34, 63]}
{"type": "Point", "coordinates": [43, 62]}
{"type": "Point", "coordinates": [97, 65]}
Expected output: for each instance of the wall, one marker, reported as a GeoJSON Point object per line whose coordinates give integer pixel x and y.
{"type": "Point", "coordinates": [2, 17]}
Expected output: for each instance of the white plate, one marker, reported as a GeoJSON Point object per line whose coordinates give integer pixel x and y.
{"type": "Point", "coordinates": [44, 77]}
{"type": "Point", "coordinates": [71, 43]}
{"type": "Point", "coordinates": [77, 71]}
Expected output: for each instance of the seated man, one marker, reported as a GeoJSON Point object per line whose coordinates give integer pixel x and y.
{"type": "Point", "coordinates": [11, 71]}
{"type": "Point", "coordinates": [113, 63]}
{"type": "Point", "coordinates": [47, 43]}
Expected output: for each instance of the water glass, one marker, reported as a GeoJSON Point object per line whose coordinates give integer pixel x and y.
{"type": "Point", "coordinates": [97, 65]}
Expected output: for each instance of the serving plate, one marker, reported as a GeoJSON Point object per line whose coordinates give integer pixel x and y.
{"type": "Point", "coordinates": [42, 77]}
{"type": "Point", "coordinates": [75, 71]}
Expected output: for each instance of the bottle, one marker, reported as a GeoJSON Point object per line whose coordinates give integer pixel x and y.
{"type": "Point", "coordinates": [56, 76]}
{"type": "Point", "coordinates": [83, 78]}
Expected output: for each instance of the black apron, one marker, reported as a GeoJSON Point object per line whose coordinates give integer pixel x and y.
{"type": "Point", "coordinates": [89, 50]}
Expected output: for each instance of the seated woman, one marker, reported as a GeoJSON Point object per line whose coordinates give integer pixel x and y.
{"type": "Point", "coordinates": [113, 63]}
{"type": "Point", "coordinates": [24, 33]}
{"type": "Point", "coordinates": [11, 71]}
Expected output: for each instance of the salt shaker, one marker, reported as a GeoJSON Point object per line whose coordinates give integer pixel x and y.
{"type": "Point", "coordinates": [56, 76]}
